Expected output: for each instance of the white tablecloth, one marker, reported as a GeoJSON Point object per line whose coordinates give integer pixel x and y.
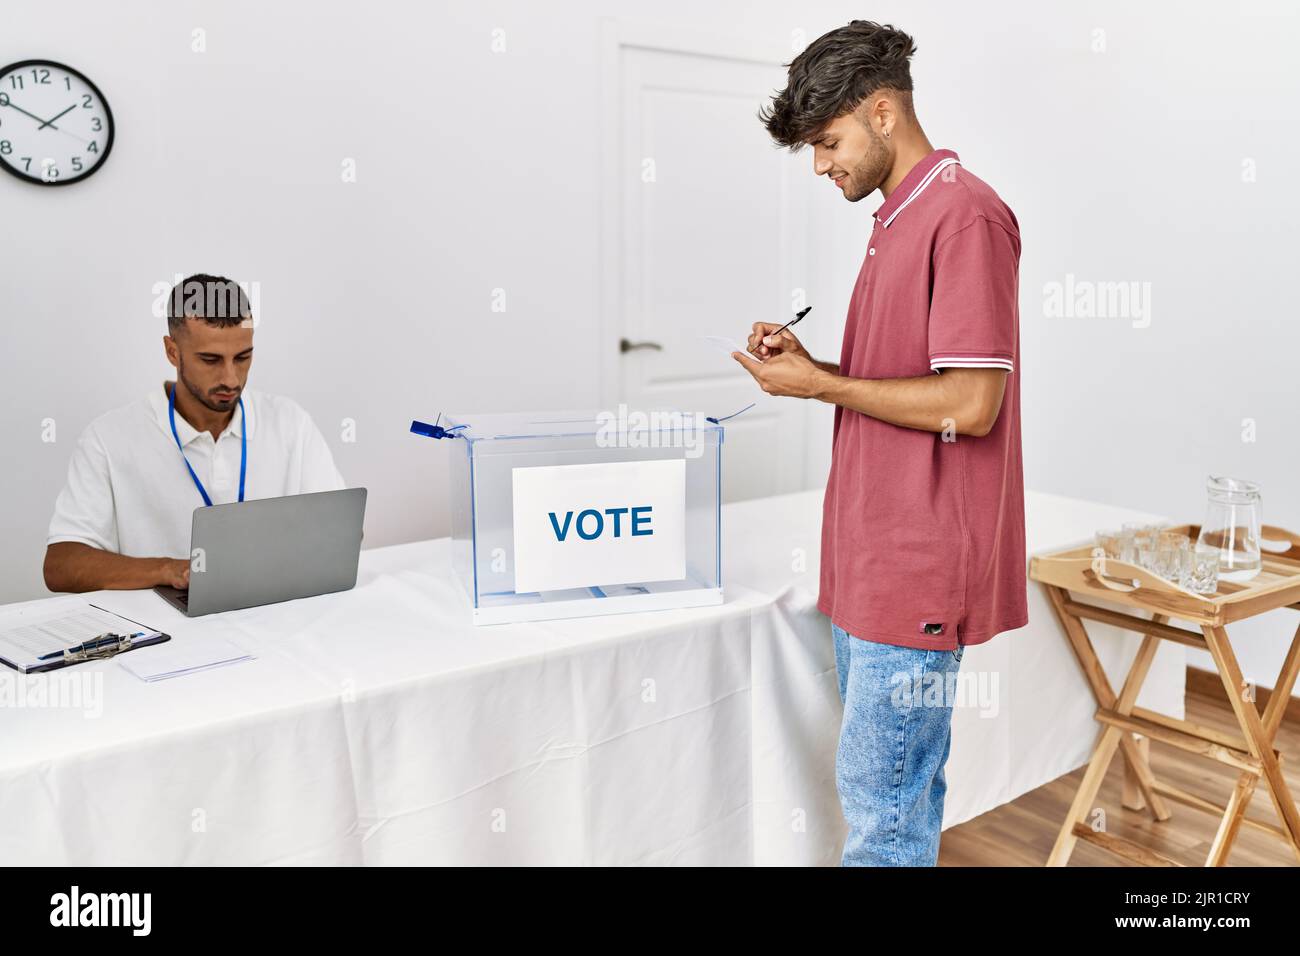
{"type": "Point", "coordinates": [378, 726]}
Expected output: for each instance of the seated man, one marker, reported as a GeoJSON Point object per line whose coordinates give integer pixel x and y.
{"type": "Point", "coordinates": [138, 473]}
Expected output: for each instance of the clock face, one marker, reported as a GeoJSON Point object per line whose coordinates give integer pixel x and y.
{"type": "Point", "coordinates": [55, 125]}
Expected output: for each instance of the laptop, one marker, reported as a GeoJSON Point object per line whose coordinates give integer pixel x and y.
{"type": "Point", "coordinates": [271, 550]}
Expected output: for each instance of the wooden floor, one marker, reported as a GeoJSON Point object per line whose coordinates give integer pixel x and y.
{"type": "Point", "coordinates": [1021, 833]}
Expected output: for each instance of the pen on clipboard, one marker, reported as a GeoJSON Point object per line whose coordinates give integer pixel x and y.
{"type": "Point", "coordinates": [797, 316]}
{"type": "Point", "coordinates": [104, 640]}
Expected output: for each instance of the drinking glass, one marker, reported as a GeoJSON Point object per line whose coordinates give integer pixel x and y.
{"type": "Point", "coordinates": [1146, 540]}
{"type": "Point", "coordinates": [1173, 551]}
{"type": "Point", "coordinates": [1110, 543]}
{"type": "Point", "coordinates": [1127, 545]}
{"type": "Point", "coordinates": [1203, 570]}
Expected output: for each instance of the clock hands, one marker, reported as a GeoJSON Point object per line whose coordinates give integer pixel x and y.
{"type": "Point", "coordinates": [14, 106]}
{"type": "Point", "coordinates": [50, 122]}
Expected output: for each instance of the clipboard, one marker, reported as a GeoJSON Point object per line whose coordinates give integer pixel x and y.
{"type": "Point", "coordinates": [18, 645]}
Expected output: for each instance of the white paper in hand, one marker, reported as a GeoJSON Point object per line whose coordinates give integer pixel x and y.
{"type": "Point", "coordinates": [726, 347]}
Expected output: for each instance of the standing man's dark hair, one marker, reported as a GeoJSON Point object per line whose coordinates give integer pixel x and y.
{"type": "Point", "coordinates": [835, 74]}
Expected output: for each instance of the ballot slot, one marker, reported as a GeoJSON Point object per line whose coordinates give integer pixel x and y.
{"type": "Point", "coordinates": [572, 514]}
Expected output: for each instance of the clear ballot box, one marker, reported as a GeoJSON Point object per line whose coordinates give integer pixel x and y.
{"type": "Point", "coordinates": [571, 514]}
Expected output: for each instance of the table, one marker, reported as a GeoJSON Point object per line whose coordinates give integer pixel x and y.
{"type": "Point", "coordinates": [1073, 579]}
{"type": "Point", "coordinates": [378, 726]}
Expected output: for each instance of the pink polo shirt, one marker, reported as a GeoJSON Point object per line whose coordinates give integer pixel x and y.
{"type": "Point", "coordinates": [923, 540]}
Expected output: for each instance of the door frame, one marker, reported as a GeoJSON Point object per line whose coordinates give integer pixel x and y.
{"type": "Point", "coordinates": [617, 35]}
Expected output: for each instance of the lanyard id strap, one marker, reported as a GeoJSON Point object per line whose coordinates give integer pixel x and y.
{"type": "Point", "coordinates": [243, 447]}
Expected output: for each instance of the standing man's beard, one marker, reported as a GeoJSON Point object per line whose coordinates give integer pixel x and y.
{"type": "Point", "coordinates": [199, 396]}
{"type": "Point", "coordinates": [866, 177]}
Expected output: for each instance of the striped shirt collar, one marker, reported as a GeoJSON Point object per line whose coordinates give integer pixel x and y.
{"type": "Point", "coordinates": [914, 183]}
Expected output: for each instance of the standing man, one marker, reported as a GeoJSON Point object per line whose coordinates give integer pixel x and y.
{"type": "Point", "coordinates": [123, 520]}
{"type": "Point", "coordinates": [923, 538]}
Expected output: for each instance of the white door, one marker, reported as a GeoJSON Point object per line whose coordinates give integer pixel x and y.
{"type": "Point", "coordinates": [710, 229]}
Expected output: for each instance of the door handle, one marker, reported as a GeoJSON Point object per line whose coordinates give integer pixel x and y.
{"type": "Point", "coordinates": [627, 346]}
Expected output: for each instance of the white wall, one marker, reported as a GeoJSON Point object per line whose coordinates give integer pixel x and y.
{"type": "Point", "coordinates": [479, 171]}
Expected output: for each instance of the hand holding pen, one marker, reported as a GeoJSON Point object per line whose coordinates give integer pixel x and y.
{"type": "Point", "coordinates": [768, 338]}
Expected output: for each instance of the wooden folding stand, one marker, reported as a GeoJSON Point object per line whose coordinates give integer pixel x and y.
{"type": "Point", "coordinates": [1078, 573]}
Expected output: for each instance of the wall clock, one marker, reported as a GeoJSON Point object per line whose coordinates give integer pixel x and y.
{"type": "Point", "coordinates": [55, 125]}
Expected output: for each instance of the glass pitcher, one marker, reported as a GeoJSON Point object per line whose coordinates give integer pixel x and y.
{"type": "Point", "coordinates": [1232, 526]}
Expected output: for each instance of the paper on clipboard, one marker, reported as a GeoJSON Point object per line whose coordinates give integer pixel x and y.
{"type": "Point", "coordinates": [30, 631]}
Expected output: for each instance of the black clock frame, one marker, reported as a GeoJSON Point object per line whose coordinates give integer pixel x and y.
{"type": "Point", "coordinates": [108, 114]}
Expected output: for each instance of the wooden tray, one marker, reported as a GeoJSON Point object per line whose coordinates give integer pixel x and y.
{"type": "Point", "coordinates": [1276, 585]}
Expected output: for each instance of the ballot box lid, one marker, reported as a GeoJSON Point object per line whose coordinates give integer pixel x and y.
{"type": "Point", "coordinates": [499, 426]}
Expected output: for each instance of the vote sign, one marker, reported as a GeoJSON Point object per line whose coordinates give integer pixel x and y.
{"type": "Point", "coordinates": [609, 523]}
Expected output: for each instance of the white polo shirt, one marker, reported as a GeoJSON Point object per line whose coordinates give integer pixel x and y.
{"type": "Point", "coordinates": [129, 491]}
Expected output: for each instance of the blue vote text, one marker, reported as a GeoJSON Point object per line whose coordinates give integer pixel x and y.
{"type": "Point", "coordinates": [591, 523]}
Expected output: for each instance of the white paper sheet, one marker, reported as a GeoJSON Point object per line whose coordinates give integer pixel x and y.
{"type": "Point", "coordinates": [178, 657]}
{"type": "Point", "coordinates": [726, 347]}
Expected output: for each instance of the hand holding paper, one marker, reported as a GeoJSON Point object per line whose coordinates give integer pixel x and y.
{"type": "Point", "coordinates": [789, 374]}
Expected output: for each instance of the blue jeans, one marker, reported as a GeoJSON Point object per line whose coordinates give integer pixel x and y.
{"type": "Point", "coordinates": [893, 745]}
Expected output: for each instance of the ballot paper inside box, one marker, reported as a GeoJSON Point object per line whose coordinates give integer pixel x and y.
{"type": "Point", "coordinates": [571, 514]}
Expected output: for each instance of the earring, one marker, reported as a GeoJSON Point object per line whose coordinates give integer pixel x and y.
{"type": "Point", "coordinates": [886, 132]}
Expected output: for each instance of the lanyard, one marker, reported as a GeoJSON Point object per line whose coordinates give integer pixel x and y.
{"type": "Point", "coordinates": [243, 447]}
